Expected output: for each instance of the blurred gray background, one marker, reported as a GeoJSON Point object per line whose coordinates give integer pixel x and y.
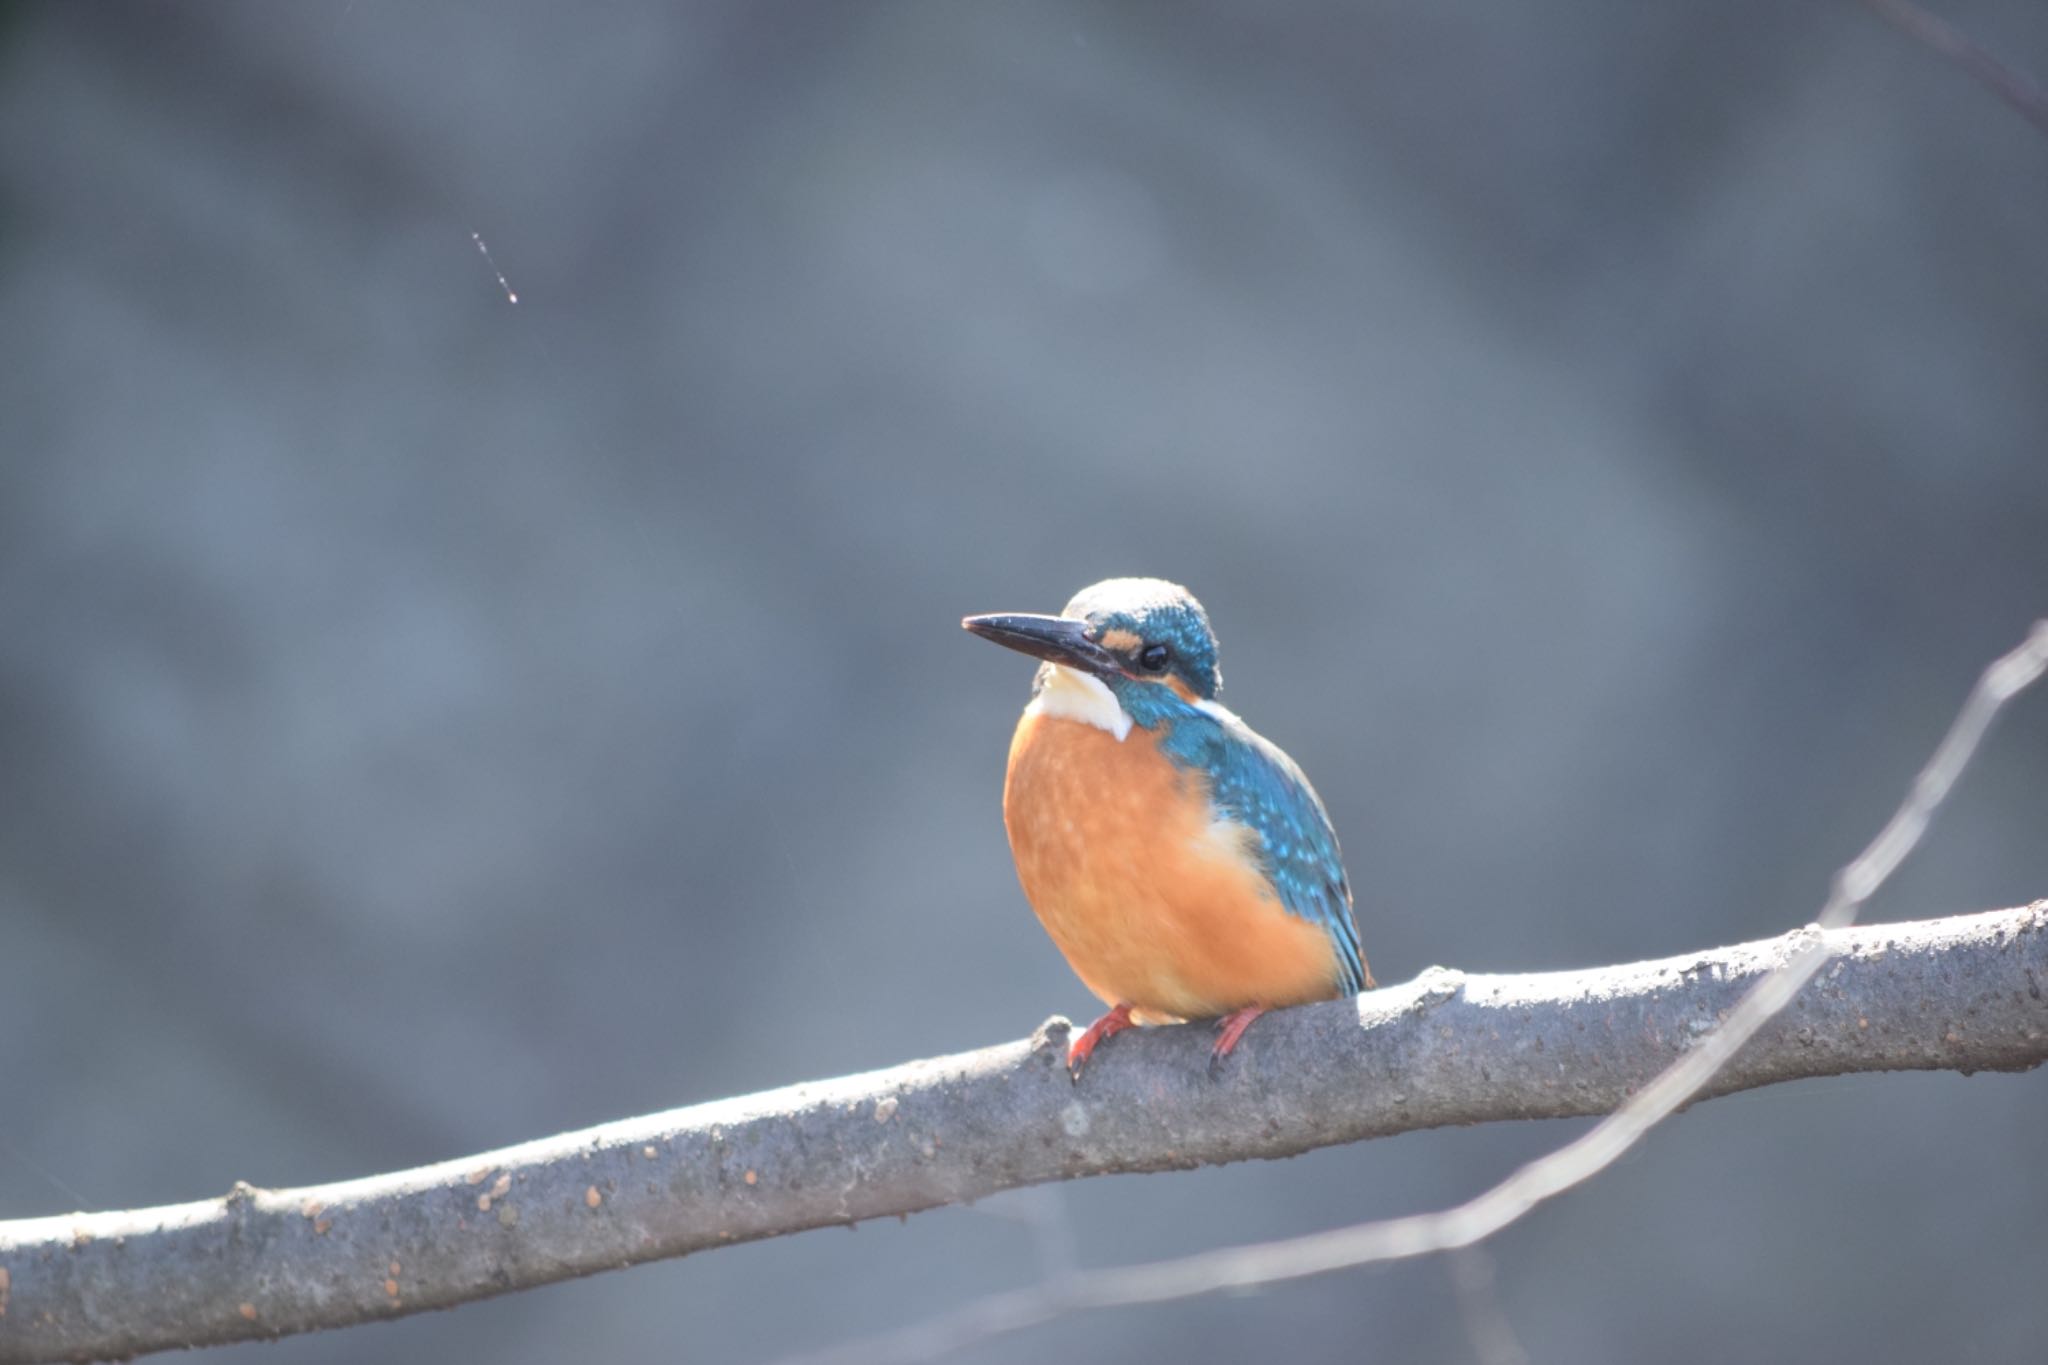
{"type": "Point", "coordinates": [1609, 439]}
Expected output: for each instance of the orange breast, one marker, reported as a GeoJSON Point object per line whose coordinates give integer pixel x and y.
{"type": "Point", "coordinates": [1153, 903]}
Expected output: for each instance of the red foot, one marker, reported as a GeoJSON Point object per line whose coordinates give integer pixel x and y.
{"type": "Point", "coordinates": [1229, 1029]}
{"type": "Point", "coordinates": [1116, 1021]}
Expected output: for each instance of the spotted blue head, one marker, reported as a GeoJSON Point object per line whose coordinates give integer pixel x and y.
{"type": "Point", "coordinates": [1144, 637]}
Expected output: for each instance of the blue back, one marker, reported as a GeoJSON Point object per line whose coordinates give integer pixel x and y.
{"type": "Point", "coordinates": [1253, 782]}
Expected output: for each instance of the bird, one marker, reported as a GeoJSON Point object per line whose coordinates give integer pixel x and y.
{"type": "Point", "coordinates": [1179, 860]}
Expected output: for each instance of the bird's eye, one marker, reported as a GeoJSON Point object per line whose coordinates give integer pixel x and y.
{"type": "Point", "coordinates": [1154, 658]}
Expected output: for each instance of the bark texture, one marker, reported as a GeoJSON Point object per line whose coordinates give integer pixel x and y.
{"type": "Point", "coordinates": [1964, 994]}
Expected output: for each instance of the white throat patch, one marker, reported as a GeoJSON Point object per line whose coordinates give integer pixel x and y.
{"type": "Point", "coordinates": [1070, 694]}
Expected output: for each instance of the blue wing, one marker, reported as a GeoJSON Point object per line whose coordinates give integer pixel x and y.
{"type": "Point", "coordinates": [1256, 784]}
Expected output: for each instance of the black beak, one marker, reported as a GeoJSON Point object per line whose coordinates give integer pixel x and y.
{"type": "Point", "coordinates": [1060, 639]}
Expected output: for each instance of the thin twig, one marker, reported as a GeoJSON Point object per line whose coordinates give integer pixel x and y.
{"type": "Point", "coordinates": [1548, 1176]}
{"type": "Point", "coordinates": [2013, 86]}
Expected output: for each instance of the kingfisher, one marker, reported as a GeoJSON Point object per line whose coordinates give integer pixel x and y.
{"type": "Point", "coordinates": [1180, 861]}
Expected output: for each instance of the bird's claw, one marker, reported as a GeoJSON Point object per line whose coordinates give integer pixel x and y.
{"type": "Point", "coordinates": [1115, 1022]}
{"type": "Point", "coordinates": [1229, 1029]}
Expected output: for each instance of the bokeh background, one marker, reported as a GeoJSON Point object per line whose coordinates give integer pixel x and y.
{"type": "Point", "coordinates": [1609, 439]}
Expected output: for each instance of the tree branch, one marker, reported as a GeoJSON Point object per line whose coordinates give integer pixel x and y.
{"type": "Point", "coordinates": [1964, 993]}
